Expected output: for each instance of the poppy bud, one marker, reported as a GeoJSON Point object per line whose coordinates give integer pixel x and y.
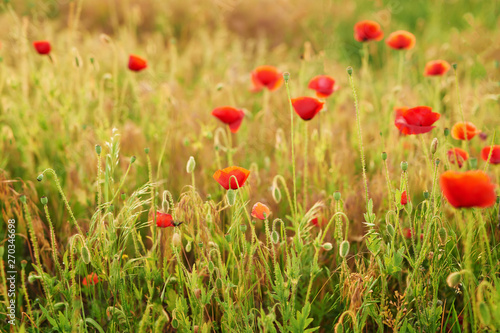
{"type": "Point", "coordinates": [243, 228]}
{"type": "Point", "coordinates": [275, 237]}
{"type": "Point", "coordinates": [473, 162]}
{"type": "Point", "coordinates": [434, 146]}
{"type": "Point", "coordinates": [44, 200]}
{"type": "Point", "coordinates": [219, 86]}
{"type": "Point", "coordinates": [132, 159]}
{"type": "Point", "coordinates": [349, 70]}
{"type": "Point", "coordinates": [40, 177]}
{"type": "Point", "coordinates": [484, 313]}
{"type": "Point", "coordinates": [344, 249]}
{"type": "Point", "coordinates": [339, 328]}
{"type": "Point", "coordinates": [426, 195]}
{"type": "Point", "coordinates": [337, 195]}
{"type": "Point", "coordinates": [327, 246]}
{"type": "Point", "coordinates": [446, 131]}
{"type": "Point", "coordinates": [175, 323]}
{"type": "Point", "coordinates": [390, 230]}
{"type": "Point", "coordinates": [146, 150]}
{"type": "Point", "coordinates": [454, 279]}
{"type": "Point", "coordinates": [443, 235]}
{"type": "Point", "coordinates": [189, 247]}
{"type": "Point", "coordinates": [200, 245]}
{"type": "Point", "coordinates": [176, 240]}
{"type": "Point", "coordinates": [23, 198]}
{"type": "Point", "coordinates": [437, 161]}
{"type": "Point", "coordinates": [231, 197]}
{"type": "Point", "coordinates": [276, 194]}
{"type": "Point", "coordinates": [404, 165]}
{"type": "Point", "coordinates": [286, 76]}
{"type": "Point", "coordinates": [85, 255]}
{"type": "Point", "coordinates": [98, 149]}
{"type": "Point", "coordinates": [210, 266]}
{"type": "Point", "coordinates": [190, 165]}
{"type": "Point", "coordinates": [384, 155]}
{"type": "Point", "coordinates": [454, 66]}
{"type": "Point", "coordinates": [218, 283]}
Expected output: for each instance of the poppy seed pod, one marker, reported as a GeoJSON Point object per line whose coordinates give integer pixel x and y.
{"type": "Point", "coordinates": [349, 70]}
{"type": "Point", "coordinates": [146, 150]}
{"type": "Point", "coordinates": [337, 195]}
{"type": "Point", "coordinates": [23, 198]}
{"type": "Point", "coordinates": [454, 279]}
{"type": "Point", "coordinates": [132, 159]}
{"type": "Point", "coordinates": [446, 131]}
{"type": "Point", "coordinates": [344, 248]}
{"type": "Point", "coordinates": [384, 155]}
{"type": "Point", "coordinates": [286, 76]}
{"type": "Point", "coordinates": [98, 149]}
{"type": "Point", "coordinates": [243, 228]}
{"type": "Point", "coordinates": [454, 66]}
{"type": "Point", "coordinates": [44, 200]}
{"type": "Point", "coordinates": [426, 195]}
{"type": "Point", "coordinates": [404, 165]}
{"type": "Point", "coordinates": [123, 196]}
{"type": "Point", "coordinates": [191, 164]}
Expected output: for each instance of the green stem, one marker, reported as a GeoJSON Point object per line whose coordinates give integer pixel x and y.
{"type": "Point", "coordinates": [292, 143]}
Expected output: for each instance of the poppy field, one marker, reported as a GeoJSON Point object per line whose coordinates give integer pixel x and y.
{"type": "Point", "coordinates": [250, 166]}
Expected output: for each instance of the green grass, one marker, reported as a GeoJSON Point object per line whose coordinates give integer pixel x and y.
{"type": "Point", "coordinates": [222, 270]}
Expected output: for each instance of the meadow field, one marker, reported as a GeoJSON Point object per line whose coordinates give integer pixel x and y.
{"type": "Point", "coordinates": [250, 166]}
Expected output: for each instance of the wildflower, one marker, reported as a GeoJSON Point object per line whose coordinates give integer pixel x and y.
{"type": "Point", "coordinates": [495, 155]}
{"type": "Point", "coordinates": [42, 46]}
{"type": "Point", "coordinates": [226, 177]}
{"type": "Point", "coordinates": [458, 131]}
{"type": "Point", "coordinates": [266, 77]}
{"type": "Point", "coordinates": [404, 198]}
{"type": "Point", "coordinates": [260, 211]}
{"type": "Point", "coordinates": [307, 107]}
{"type": "Point", "coordinates": [401, 40]}
{"type": "Point", "coordinates": [164, 220]}
{"type": "Point", "coordinates": [459, 155]}
{"type": "Point", "coordinates": [92, 278]}
{"type": "Point", "coordinates": [436, 68]}
{"type": "Point", "coordinates": [365, 31]}
{"type": "Point", "coordinates": [323, 84]}
{"type": "Point", "coordinates": [416, 120]}
{"type": "Point", "coordinates": [136, 63]}
{"type": "Point", "coordinates": [318, 221]}
{"type": "Point", "coordinates": [468, 189]}
{"type": "Point", "coordinates": [408, 233]}
{"type": "Point", "coordinates": [230, 116]}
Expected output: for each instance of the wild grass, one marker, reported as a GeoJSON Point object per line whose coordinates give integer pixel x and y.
{"type": "Point", "coordinates": [110, 148]}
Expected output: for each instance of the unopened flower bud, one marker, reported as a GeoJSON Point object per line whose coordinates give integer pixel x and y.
{"type": "Point", "coordinates": [190, 165]}
{"type": "Point", "coordinates": [446, 131]}
{"type": "Point", "coordinates": [231, 197]}
{"type": "Point", "coordinates": [275, 237]}
{"type": "Point", "coordinates": [454, 279]}
{"type": "Point", "coordinates": [434, 146]}
{"type": "Point", "coordinates": [132, 159]}
{"type": "Point", "coordinates": [337, 195]}
{"type": "Point", "coordinates": [327, 246]}
{"type": "Point", "coordinates": [40, 177]}
{"type": "Point", "coordinates": [344, 249]}
{"type": "Point", "coordinates": [176, 240]}
{"type": "Point", "coordinates": [390, 230]}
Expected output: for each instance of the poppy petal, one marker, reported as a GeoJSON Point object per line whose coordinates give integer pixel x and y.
{"type": "Point", "coordinates": [495, 155]}
{"type": "Point", "coordinates": [468, 189]}
{"type": "Point", "coordinates": [226, 177]}
{"type": "Point", "coordinates": [307, 107]}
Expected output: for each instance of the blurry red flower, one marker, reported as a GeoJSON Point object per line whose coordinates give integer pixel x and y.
{"type": "Point", "coordinates": [90, 279]}
{"type": "Point", "coordinates": [307, 107]}
{"type": "Point", "coordinates": [319, 221]}
{"type": "Point", "coordinates": [42, 46]}
{"type": "Point", "coordinates": [436, 68]}
{"type": "Point", "coordinates": [228, 174]}
{"type": "Point", "coordinates": [136, 63]}
{"type": "Point", "coordinates": [266, 76]}
{"type": "Point", "coordinates": [260, 211]}
{"type": "Point", "coordinates": [468, 189]}
{"type": "Point", "coordinates": [404, 198]}
{"type": "Point", "coordinates": [164, 220]}
{"type": "Point", "coordinates": [365, 31]}
{"type": "Point", "coordinates": [408, 233]}
{"type": "Point", "coordinates": [323, 84]}
{"type": "Point", "coordinates": [401, 40]}
{"type": "Point", "coordinates": [459, 155]}
{"type": "Point", "coordinates": [230, 116]}
{"type": "Point", "coordinates": [495, 155]}
{"type": "Point", "coordinates": [458, 131]}
{"type": "Point", "coordinates": [416, 120]}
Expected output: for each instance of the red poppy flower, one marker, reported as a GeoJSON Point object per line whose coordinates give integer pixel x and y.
{"type": "Point", "coordinates": [408, 233]}
{"type": "Point", "coordinates": [416, 120]}
{"type": "Point", "coordinates": [230, 116]}
{"type": "Point", "coordinates": [260, 211]}
{"type": "Point", "coordinates": [436, 68]}
{"type": "Point", "coordinates": [468, 189]}
{"type": "Point", "coordinates": [42, 46]}
{"type": "Point", "coordinates": [458, 131]}
{"type": "Point", "coordinates": [136, 63]}
{"type": "Point", "coordinates": [495, 155]}
{"type": "Point", "coordinates": [401, 40]}
{"type": "Point", "coordinates": [318, 221]}
{"type": "Point", "coordinates": [307, 107]}
{"type": "Point", "coordinates": [404, 198]}
{"type": "Point", "coordinates": [323, 84]}
{"type": "Point", "coordinates": [459, 155]}
{"type": "Point", "coordinates": [266, 77]}
{"type": "Point", "coordinates": [164, 220]}
{"type": "Point", "coordinates": [228, 174]}
{"type": "Point", "coordinates": [90, 279]}
{"type": "Point", "coordinates": [365, 31]}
